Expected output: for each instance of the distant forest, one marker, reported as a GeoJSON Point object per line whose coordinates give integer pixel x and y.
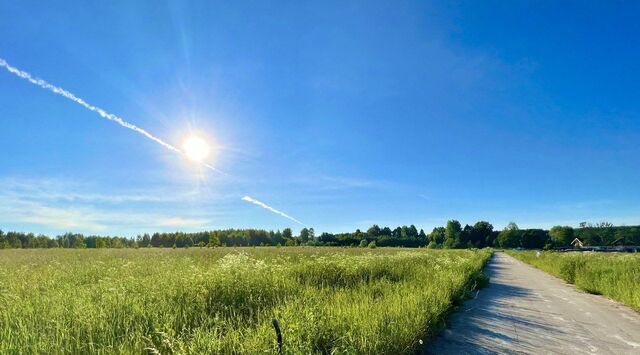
{"type": "Point", "coordinates": [451, 236]}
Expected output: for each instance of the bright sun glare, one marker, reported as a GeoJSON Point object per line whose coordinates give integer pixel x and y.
{"type": "Point", "coordinates": [196, 148]}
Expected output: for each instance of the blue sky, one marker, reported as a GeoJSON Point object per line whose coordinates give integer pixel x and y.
{"type": "Point", "coordinates": [341, 114]}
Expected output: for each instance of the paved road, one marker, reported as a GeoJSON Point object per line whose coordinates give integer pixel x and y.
{"type": "Point", "coordinates": [525, 310]}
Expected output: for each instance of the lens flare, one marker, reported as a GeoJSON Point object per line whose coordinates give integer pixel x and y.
{"type": "Point", "coordinates": [195, 148]}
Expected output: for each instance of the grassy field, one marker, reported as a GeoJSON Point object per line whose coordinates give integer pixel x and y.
{"type": "Point", "coordinates": [327, 300]}
{"type": "Point", "coordinates": [614, 275]}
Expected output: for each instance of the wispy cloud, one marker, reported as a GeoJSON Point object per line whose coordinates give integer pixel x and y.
{"type": "Point", "coordinates": [183, 222]}
{"type": "Point", "coordinates": [104, 114]}
{"type": "Point", "coordinates": [58, 205]}
{"type": "Point", "coordinates": [90, 219]}
{"type": "Point", "coordinates": [51, 217]}
{"type": "Point", "coordinates": [582, 205]}
{"type": "Point", "coordinates": [111, 117]}
{"type": "Point", "coordinates": [328, 182]}
{"type": "Point", "coordinates": [265, 206]}
{"type": "Point", "coordinates": [59, 190]}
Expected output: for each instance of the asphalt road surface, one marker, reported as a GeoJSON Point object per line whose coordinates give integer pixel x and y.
{"type": "Point", "coordinates": [527, 311]}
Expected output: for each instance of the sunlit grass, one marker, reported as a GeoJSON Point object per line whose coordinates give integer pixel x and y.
{"type": "Point", "coordinates": [196, 301]}
{"type": "Point", "coordinates": [615, 275]}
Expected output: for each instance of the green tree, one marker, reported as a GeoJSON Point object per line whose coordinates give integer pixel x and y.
{"type": "Point", "coordinates": [465, 237]}
{"type": "Point", "coordinates": [561, 235]}
{"type": "Point", "coordinates": [290, 242]}
{"type": "Point", "coordinates": [359, 235]}
{"type": "Point", "coordinates": [146, 240]}
{"type": "Point", "coordinates": [304, 235]}
{"type": "Point", "coordinates": [374, 231]}
{"type": "Point", "coordinates": [533, 238]}
{"type": "Point", "coordinates": [509, 237]}
{"type": "Point", "coordinates": [117, 243]}
{"type": "Point", "coordinates": [589, 234]}
{"type": "Point", "coordinates": [287, 233]}
{"type": "Point", "coordinates": [422, 236]}
{"type": "Point", "coordinates": [452, 234]}
{"type": "Point", "coordinates": [481, 234]}
{"type": "Point", "coordinates": [278, 238]}
{"type": "Point", "coordinates": [100, 243]}
{"type": "Point", "coordinates": [628, 235]}
{"type": "Point", "coordinates": [328, 239]}
{"type": "Point", "coordinates": [4, 243]}
{"type": "Point", "coordinates": [412, 231]}
{"type": "Point", "coordinates": [512, 226]}
{"type": "Point", "coordinates": [436, 236]}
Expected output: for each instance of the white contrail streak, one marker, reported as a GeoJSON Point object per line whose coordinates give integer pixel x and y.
{"type": "Point", "coordinates": [104, 114]}
{"type": "Point", "coordinates": [111, 117]}
{"type": "Point", "coordinates": [264, 205]}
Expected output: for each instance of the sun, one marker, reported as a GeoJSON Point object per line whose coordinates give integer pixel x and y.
{"type": "Point", "coordinates": [195, 148]}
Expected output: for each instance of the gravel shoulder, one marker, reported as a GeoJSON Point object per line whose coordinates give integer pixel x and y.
{"type": "Point", "coordinates": [525, 310]}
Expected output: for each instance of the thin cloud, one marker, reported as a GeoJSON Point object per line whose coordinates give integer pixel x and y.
{"type": "Point", "coordinates": [111, 117]}
{"type": "Point", "coordinates": [59, 190]}
{"type": "Point", "coordinates": [104, 114]}
{"type": "Point", "coordinates": [265, 206]}
{"type": "Point", "coordinates": [327, 182]}
{"type": "Point", "coordinates": [182, 222]}
{"type": "Point", "coordinates": [60, 205]}
{"type": "Point", "coordinates": [89, 218]}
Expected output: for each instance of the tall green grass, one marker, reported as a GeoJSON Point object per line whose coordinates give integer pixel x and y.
{"type": "Point", "coordinates": [614, 275]}
{"type": "Point", "coordinates": [194, 301]}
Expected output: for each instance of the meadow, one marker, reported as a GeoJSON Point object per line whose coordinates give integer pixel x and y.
{"type": "Point", "coordinates": [615, 275]}
{"type": "Point", "coordinates": [223, 300]}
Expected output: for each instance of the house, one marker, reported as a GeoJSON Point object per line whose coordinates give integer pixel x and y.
{"type": "Point", "coordinates": [577, 243]}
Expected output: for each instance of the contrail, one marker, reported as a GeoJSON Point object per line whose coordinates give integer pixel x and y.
{"type": "Point", "coordinates": [104, 114]}
{"type": "Point", "coordinates": [111, 117]}
{"type": "Point", "coordinates": [264, 205]}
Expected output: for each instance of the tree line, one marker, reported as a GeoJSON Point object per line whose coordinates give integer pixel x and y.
{"type": "Point", "coordinates": [451, 236]}
{"type": "Point", "coordinates": [482, 235]}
